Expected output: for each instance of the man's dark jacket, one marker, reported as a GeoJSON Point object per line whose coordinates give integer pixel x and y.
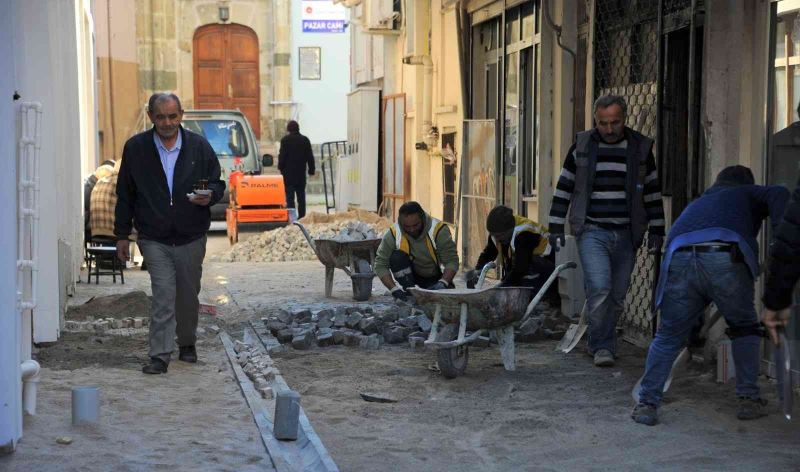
{"type": "Point", "coordinates": [143, 194]}
{"type": "Point", "coordinates": [295, 153]}
{"type": "Point", "coordinates": [784, 263]}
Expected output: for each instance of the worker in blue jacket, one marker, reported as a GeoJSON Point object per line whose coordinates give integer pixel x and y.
{"type": "Point", "coordinates": [712, 256]}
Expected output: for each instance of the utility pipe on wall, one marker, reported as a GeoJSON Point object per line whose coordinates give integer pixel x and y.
{"type": "Point", "coordinates": [427, 89]}
{"type": "Point", "coordinates": [30, 379]}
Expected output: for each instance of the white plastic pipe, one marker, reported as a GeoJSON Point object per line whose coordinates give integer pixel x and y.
{"type": "Point", "coordinates": [427, 89]}
{"type": "Point", "coordinates": [28, 201]}
{"type": "Point", "coordinates": [30, 379]}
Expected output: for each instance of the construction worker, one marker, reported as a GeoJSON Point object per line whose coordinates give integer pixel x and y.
{"type": "Point", "coordinates": [417, 250]}
{"type": "Point", "coordinates": [609, 184]}
{"type": "Point", "coordinates": [712, 256]}
{"type": "Point", "coordinates": [521, 247]}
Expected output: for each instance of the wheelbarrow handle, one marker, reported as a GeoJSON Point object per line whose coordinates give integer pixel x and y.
{"type": "Point", "coordinates": [489, 266]}
{"type": "Point", "coordinates": [543, 290]}
{"type": "Point", "coordinates": [308, 237]}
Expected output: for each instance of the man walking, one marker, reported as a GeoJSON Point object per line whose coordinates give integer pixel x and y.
{"type": "Point", "coordinates": [712, 256]}
{"type": "Point", "coordinates": [609, 184]}
{"type": "Point", "coordinates": [293, 158]}
{"type": "Point", "coordinates": [522, 249]}
{"type": "Point", "coordinates": [160, 170]}
{"type": "Point", "coordinates": [417, 250]}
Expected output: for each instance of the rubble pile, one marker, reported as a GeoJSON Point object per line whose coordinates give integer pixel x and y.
{"type": "Point", "coordinates": [369, 328]}
{"type": "Point", "coordinates": [258, 366]}
{"type": "Point", "coordinates": [289, 244]}
{"type": "Point", "coordinates": [364, 327]}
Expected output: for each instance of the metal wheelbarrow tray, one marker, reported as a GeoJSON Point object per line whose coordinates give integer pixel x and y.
{"type": "Point", "coordinates": [353, 257]}
{"type": "Point", "coordinates": [453, 312]}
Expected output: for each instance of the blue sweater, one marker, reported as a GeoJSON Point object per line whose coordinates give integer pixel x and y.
{"type": "Point", "coordinates": [731, 214]}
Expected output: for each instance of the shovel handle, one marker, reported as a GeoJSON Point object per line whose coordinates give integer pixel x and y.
{"type": "Point", "coordinates": [543, 290]}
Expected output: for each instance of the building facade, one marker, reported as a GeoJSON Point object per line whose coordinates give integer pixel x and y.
{"type": "Point", "coordinates": [49, 142]}
{"type": "Point", "coordinates": [712, 82]}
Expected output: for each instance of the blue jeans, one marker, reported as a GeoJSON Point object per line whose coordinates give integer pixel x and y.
{"type": "Point", "coordinates": [607, 257]}
{"type": "Point", "coordinates": [695, 280]}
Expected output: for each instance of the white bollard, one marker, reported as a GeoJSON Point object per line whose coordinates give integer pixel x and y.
{"type": "Point", "coordinates": [85, 405]}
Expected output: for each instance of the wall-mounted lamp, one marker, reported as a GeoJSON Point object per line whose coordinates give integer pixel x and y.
{"type": "Point", "coordinates": [224, 14]}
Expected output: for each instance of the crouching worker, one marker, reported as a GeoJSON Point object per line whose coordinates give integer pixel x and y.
{"type": "Point", "coordinates": [712, 256]}
{"type": "Point", "coordinates": [521, 249]}
{"type": "Point", "coordinates": [417, 250]}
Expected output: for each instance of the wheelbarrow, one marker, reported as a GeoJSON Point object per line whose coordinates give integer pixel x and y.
{"type": "Point", "coordinates": [355, 258]}
{"type": "Point", "coordinates": [454, 312]}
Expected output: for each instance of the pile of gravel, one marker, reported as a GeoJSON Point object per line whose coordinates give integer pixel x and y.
{"type": "Point", "coordinates": [289, 244]}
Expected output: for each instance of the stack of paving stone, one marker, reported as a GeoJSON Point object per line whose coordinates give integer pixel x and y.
{"type": "Point", "coordinates": [289, 244]}
{"type": "Point", "coordinates": [370, 327]}
{"type": "Point", "coordinates": [258, 367]}
{"type": "Point", "coordinates": [106, 325]}
{"type": "Point", "coordinates": [363, 327]}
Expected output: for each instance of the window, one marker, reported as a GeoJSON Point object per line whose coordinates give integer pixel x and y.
{"type": "Point", "coordinates": [787, 69]}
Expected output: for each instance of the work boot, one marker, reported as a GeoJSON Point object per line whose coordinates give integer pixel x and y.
{"type": "Point", "coordinates": [188, 354]}
{"type": "Point", "coordinates": [156, 366]}
{"type": "Point", "coordinates": [603, 358]}
{"type": "Point", "coordinates": [751, 408]}
{"type": "Point", "coordinates": [644, 413]}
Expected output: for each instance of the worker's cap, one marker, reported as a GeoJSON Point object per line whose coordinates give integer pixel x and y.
{"type": "Point", "coordinates": [500, 219]}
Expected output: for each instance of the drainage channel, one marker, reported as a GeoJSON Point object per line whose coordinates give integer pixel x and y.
{"type": "Point", "coordinates": [307, 453]}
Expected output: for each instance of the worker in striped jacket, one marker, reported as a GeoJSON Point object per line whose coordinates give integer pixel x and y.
{"type": "Point", "coordinates": [609, 186]}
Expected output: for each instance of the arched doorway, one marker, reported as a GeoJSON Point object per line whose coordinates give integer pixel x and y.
{"type": "Point", "coordinates": [226, 70]}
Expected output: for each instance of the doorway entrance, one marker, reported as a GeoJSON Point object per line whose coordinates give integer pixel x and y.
{"type": "Point", "coordinates": [226, 71]}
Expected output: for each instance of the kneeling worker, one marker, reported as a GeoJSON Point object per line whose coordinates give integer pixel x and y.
{"type": "Point", "coordinates": [417, 250]}
{"type": "Point", "coordinates": [526, 258]}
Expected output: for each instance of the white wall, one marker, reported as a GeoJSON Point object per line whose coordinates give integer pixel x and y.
{"type": "Point", "coordinates": [47, 47]}
{"type": "Point", "coordinates": [321, 105]}
{"type": "Point", "coordinates": [10, 384]}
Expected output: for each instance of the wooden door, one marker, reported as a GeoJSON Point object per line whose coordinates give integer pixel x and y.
{"type": "Point", "coordinates": [226, 71]}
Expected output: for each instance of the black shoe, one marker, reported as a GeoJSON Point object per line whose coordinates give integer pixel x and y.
{"type": "Point", "coordinates": [188, 354]}
{"type": "Point", "coordinates": [644, 413]}
{"type": "Point", "coordinates": [156, 366]}
{"type": "Point", "coordinates": [751, 408]}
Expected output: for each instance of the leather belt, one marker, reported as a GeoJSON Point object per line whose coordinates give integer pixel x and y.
{"type": "Point", "coordinates": [707, 248]}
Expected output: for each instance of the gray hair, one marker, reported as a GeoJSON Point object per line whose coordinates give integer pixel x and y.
{"type": "Point", "coordinates": [159, 98]}
{"type": "Point", "coordinates": [607, 100]}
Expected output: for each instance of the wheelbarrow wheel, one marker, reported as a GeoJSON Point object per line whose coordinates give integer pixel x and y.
{"type": "Point", "coordinates": [452, 362]}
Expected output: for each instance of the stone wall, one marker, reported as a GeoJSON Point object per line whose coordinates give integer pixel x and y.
{"type": "Point", "coordinates": [164, 39]}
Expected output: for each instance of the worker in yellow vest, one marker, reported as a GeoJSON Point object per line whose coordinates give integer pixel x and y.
{"type": "Point", "coordinates": [520, 246]}
{"type": "Point", "coordinates": [417, 250]}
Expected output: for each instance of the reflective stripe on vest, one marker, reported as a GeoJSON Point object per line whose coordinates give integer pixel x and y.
{"type": "Point", "coordinates": [402, 244]}
{"type": "Point", "coordinates": [523, 225]}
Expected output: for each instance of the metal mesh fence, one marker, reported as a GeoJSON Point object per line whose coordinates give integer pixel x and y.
{"type": "Point", "coordinates": [626, 45]}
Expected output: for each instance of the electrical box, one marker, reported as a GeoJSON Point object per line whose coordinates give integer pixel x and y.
{"type": "Point", "coordinates": [357, 169]}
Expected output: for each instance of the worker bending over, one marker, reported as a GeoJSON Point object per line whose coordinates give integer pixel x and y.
{"type": "Point", "coordinates": [417, 250]}
{"type": "Point", "coordinates": [521, 248]}
{"type": "Point", "coordinates": [712, 256]}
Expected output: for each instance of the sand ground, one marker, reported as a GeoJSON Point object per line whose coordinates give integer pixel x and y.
{"type": "Point", "coordinates": [555, 412]}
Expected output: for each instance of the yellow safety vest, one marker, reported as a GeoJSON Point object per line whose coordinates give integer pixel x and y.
{"type": "Point", "coordinates": [525, 225]}
{"type": "Point", "coordinates": [401, 240]}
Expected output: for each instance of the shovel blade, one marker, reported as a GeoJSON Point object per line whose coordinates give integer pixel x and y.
{"type": "Point", "coordinates": [574, 334]}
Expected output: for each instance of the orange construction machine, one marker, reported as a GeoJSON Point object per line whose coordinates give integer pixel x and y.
{"type": "Point", "coordinates": [255, 200]}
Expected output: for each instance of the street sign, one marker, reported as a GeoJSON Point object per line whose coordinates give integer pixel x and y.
{"type": "Point", "coordinates": [322, 16]}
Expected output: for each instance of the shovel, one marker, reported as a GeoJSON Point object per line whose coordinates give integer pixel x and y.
{"type": "Point", "coordinates": [574, 333]}
{"type": "Point", "coordinates": [783, 367]}
{"type": "Point", "coordinates": [683, 357]}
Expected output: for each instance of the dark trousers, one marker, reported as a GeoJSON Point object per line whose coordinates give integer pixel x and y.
{"type": "Point", "coordinates": [300, 191]}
